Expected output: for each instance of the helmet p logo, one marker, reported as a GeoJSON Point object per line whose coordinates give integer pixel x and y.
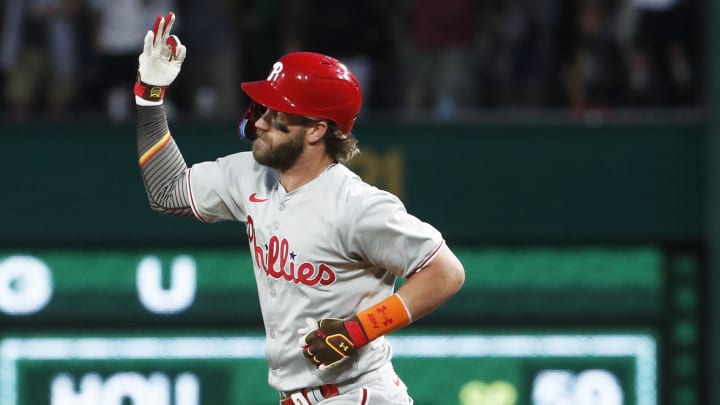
{"type": "Point", "coordinates": [275, 73]}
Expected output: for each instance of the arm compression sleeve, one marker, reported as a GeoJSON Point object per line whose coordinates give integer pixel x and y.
{"type": "Point", "coordinates": [162, 166]}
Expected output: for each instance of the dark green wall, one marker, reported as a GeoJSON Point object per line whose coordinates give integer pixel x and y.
{"type": "Point", "coordinates": [79, 183]}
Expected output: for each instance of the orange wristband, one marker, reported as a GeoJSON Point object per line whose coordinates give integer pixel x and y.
{"type": "Point", "coordinates": [384, 317]}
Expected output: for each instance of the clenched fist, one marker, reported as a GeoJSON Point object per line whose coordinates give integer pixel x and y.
{"type": "Point", "coordinates": [331, 341]}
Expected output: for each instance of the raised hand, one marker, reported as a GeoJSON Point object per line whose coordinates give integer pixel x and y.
{"type": "Point", "coordinates": [160, 61]}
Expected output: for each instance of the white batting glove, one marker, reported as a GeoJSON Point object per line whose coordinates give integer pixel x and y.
{"type": "Point", "coordinates": [160, 60]}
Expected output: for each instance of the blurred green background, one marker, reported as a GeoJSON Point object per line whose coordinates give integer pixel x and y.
{"type": "Point", "coordinates": [563, 229]}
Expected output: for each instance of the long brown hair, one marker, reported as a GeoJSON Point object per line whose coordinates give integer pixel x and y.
{"type": "Point", "coordinates": [341, 147]}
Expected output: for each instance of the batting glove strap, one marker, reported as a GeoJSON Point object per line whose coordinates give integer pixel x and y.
{"type": "Point", "coordinates": [332, 342]}
{"type": "Point", "coordinates": [356, 333]}
{"type": "Point", "coordinates": [147, 91]}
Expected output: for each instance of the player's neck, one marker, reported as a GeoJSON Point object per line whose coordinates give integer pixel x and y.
{"type": "Point", "coordinates": [306, 169]}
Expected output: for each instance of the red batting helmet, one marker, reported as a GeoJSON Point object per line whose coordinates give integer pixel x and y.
{"type": "Point", "coordinates": [306, 83]}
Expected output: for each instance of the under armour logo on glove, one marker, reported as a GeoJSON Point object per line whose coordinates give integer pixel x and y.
{"type": "Point", "coordinates": [330, 341]}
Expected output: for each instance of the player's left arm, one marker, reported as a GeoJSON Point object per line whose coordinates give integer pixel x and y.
{"type": "Point", "coordinates": [432, 285]}
{"type": "Point", "coordinates": [334, 340]}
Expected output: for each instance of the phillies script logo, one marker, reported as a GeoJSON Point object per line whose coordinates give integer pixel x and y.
{"type": "Point", "coordinates": [273, 259]}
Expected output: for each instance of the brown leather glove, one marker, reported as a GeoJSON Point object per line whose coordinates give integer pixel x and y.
{"type": "Point", "coordinates": [334, 341]}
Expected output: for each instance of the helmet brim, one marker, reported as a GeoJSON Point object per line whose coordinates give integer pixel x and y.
{"type": "Point", "coordinates": [263, 92]}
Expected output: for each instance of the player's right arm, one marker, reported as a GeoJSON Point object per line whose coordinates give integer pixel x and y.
{"type": "Point", "coordinates": [162, 166]}
{"type": "Point", "coordinates": [203, 190]}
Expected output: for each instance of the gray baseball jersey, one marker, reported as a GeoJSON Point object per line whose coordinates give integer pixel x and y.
{"type": "Point", "coordinates": [329, 249]}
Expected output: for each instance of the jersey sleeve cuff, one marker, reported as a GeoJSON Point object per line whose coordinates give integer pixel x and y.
{"type": "Point", "coordinates": [192, 199]}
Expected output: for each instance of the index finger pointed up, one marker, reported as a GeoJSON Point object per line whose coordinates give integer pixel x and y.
{"type": "Point", "coordinates": [169, 20]}
{"type": "Point", "coordinates": [157, 30]}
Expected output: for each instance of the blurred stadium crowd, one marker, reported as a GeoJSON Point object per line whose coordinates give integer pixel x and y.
{"type": "Point", "coordinates": [436, 58]}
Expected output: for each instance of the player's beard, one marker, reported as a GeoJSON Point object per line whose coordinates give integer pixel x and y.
{"type": "Point", "coordinates": [279, 155]}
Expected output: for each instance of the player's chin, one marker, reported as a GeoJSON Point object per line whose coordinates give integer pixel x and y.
{"type": "Point", "coordinates": [260, 149]}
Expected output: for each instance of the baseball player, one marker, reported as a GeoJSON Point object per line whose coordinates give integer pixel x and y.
{"type": "Point", "coordinates": [326, 247]}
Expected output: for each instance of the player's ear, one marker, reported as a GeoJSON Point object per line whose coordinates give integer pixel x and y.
{"type": "Point", "coordinates": [316, 130]}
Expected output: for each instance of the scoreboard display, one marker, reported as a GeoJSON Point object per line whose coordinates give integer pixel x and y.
{"type": "Point", "coordinates": [532, 325]}
{"type": "Point", "coordinates": [469, 369]}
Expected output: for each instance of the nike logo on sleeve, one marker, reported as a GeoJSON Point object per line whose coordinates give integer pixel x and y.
{"type": "Point", "coordinates": [255, 198]}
